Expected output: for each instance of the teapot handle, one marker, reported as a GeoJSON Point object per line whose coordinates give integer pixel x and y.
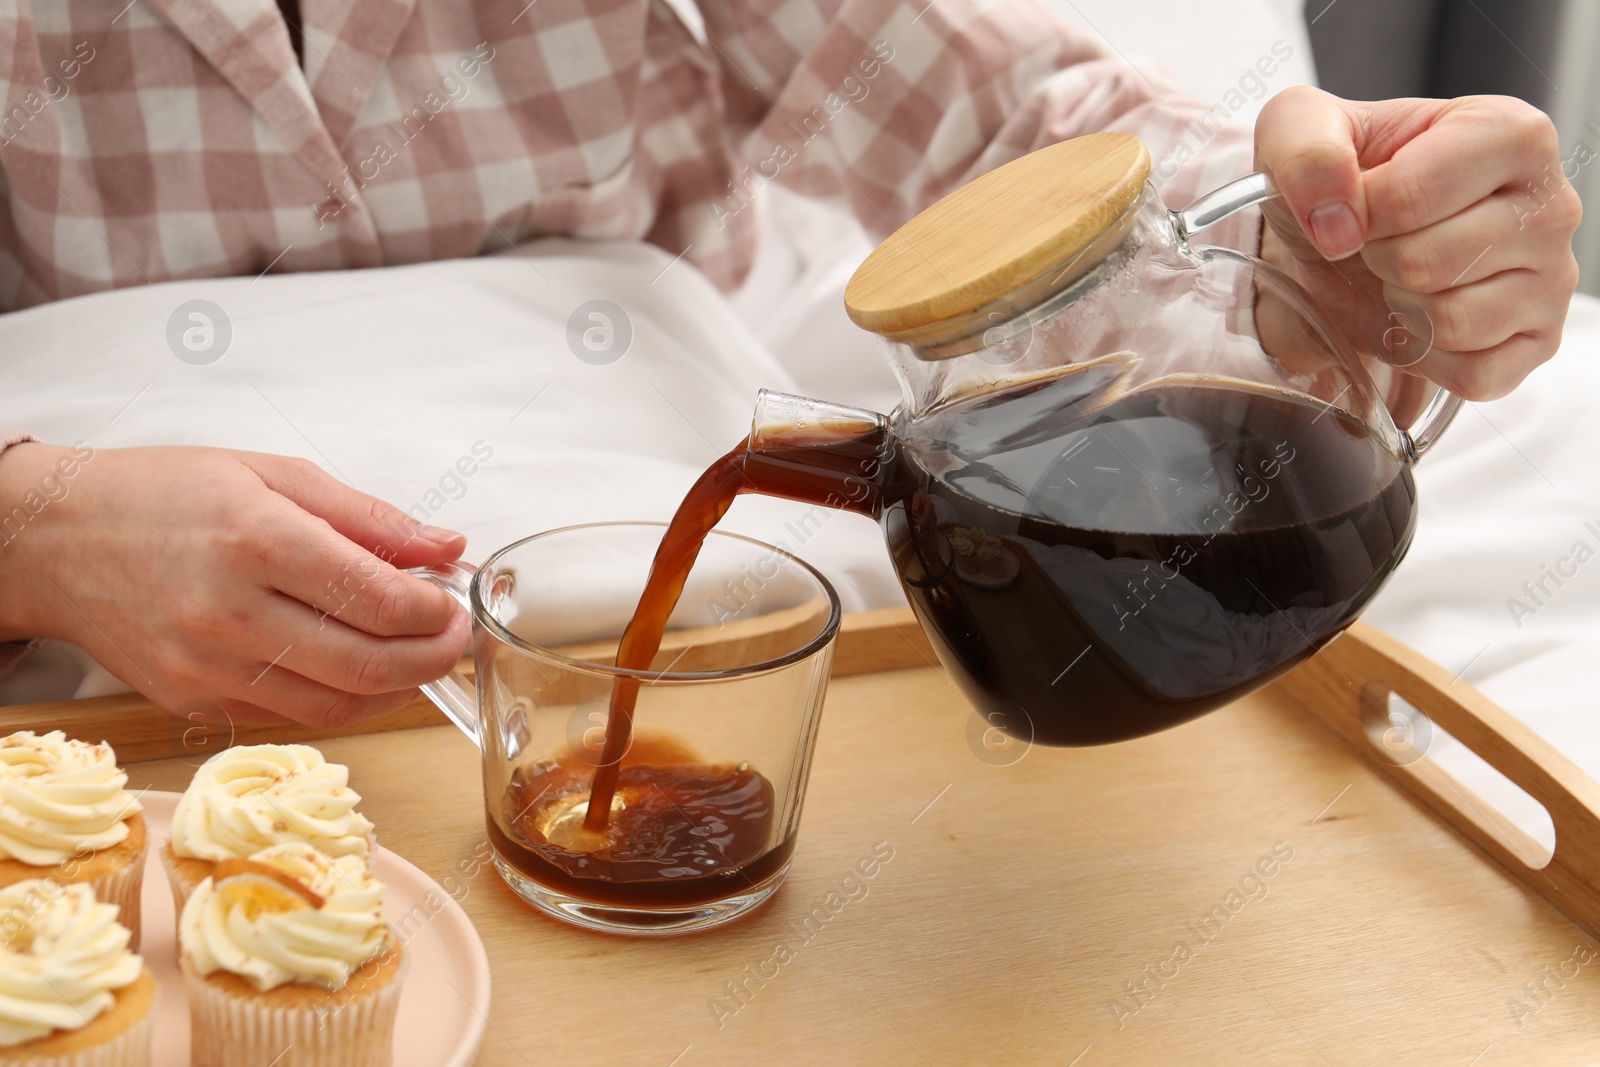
{"type": "Point", "coordinates": [1433, 421]}
{"type": "Point", "coordinates": [1252, 190]}
{"type": "Point", "coordinates": [1220, 203]}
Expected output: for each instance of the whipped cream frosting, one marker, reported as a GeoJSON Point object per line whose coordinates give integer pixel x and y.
{"type": "Point", "coordinates": [245, 799]}
{"type": "Point", "coordinates": [62, 956]}
{"type": "Point", "coordinates": [59, 798]}
{"type": "Point", "coordinates": [269, 935]}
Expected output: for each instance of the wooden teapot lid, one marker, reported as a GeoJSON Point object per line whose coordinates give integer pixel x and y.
{"type": "Point", "coordinates": [999, 232]}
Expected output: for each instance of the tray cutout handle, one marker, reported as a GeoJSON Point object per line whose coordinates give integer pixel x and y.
{"type": "Point", "coordinates": [1404, 740]}
{"type": "Point", "coordinates": [1340, 686]}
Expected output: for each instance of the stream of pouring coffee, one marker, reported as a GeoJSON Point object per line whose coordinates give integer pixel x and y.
{"type": "Point", "coordinates": [834, 465]}
{"type": "Point", "coordinates": [708, 500]}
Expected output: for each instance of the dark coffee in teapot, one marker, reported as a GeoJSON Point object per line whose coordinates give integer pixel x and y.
{"type": "Point", "coordinates": [1095, 571]}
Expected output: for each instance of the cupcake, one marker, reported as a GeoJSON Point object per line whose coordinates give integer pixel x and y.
{"type": "Point", "coordinates": [982, 558]}
{"type": "Point", "coordinates": [991, 557]}
{"type": "Point", "coordinates": [245, 799]}
{"type": "Point", "coordinates": [66, 818]}
{"type": "Point", "coordinates": [288, 950]}
{"type": "Point", "coordinates": [72, 994]}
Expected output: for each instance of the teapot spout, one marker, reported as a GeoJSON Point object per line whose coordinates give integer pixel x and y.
{"type": "Point", "coordinates": [780, 417]}
{"type": "Point", "coordinates": [818, 452]}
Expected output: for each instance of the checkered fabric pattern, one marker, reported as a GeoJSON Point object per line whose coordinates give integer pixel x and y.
{"type": "Point", "coordinates": [169, 139]}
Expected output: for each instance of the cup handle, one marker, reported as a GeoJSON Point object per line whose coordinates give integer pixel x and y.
{"type": "Point", "coordinates": [454, 694]}
{"type": "Point", "coordinates": [1252, 190]}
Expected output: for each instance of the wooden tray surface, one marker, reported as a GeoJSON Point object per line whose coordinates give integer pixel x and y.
{"type": "Point", "coordinates": [1242, 889]}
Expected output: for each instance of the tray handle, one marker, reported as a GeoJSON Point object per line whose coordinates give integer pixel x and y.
{"type": "Point", "coordinates": [1348, 685]}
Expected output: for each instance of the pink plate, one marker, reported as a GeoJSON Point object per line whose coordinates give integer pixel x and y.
{"type": "Point", "coordinates": [445, 1005]}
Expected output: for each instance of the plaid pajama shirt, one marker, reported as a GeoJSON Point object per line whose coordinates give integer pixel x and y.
{"type": "Point", "coordinates": [150, 140]}
{"type": "Point", "coordinates": [164, 139]}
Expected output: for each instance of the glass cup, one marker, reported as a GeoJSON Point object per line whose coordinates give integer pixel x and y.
{"type": "Point", "coordinates": [708, 793]}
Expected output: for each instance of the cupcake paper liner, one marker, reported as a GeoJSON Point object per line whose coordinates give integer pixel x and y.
{"type": "Point", "coordinates": [230, 1028]}
{"type": "Point", "coordinates": [123, 888]}
{"type": "Point", "coordinates": [182, 886]}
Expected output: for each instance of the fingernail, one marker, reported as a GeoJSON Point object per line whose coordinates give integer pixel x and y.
{"type": "Point", "coordinates": [1335, 230]}
{"type": "Point", "coordinates": [438, 535]}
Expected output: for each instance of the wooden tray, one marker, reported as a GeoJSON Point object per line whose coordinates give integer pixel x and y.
{"type": "Point", "coordinates": [1242, 889]}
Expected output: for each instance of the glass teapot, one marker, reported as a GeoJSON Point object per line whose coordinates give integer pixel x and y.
{"type": "Point", "coordinates": [1132, 478]}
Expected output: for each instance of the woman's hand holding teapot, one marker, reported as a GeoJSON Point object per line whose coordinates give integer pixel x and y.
{"type": "Point", "coordinates": [1436, 233]}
